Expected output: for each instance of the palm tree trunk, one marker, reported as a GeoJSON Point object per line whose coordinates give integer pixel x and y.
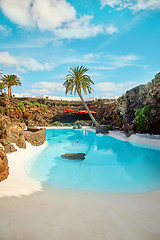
{"type": "Point", "coordinates": [10, 91]}
{"type": "Point", "coordinates": [86, 107]}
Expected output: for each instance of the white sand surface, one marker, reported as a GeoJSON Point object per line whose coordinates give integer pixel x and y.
{"type": "Point", "coordinates": [30, 210]}
{"type": "Point", "coordinates": [18, 182]}
{"type": "Point", "coordinates": [152, 141]}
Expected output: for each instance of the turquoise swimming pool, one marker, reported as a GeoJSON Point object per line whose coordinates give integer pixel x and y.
{"type": "Point", "coordinates": [110, 165]}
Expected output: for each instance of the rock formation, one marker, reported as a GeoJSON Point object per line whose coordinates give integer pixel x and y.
{"type": "Point", "coordinates": [4, 169]}
{"type": "Point", "coordinates": [111, 112]}
{"type": "Point", "coordinates": [12, 133]}
{"type": "Point", "coordinates": [122, 110]}
{"type": "Point", "coordinates": [74, 156]}
{"type": "Point", "coordinates": [35, 136]}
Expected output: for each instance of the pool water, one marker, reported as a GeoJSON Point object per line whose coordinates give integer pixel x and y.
{"type": "Point", "coordinates": [110, 165]}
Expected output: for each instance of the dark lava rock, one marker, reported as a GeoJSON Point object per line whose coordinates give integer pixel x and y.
{"type": "Point", "coordinates": [74, 156]}
{"type": "Point", "coordinates": [102, 129]}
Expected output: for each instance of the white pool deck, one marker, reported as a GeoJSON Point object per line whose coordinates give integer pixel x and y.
{"type": "Point", "coordinates": [30, 210]}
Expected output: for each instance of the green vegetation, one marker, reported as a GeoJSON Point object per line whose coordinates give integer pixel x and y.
{"type": "Point", "coordinates": [2, 86]}
{"type": "Point", "coordinates": [142, 117]}
{"type": "Point", "coordinates": [83, 122]}
{"type": "Point", "coordinates": [28, 103]}
{"type": "Point", "coordinates": [119, 122]}
{"type": "Point", "coordinates": [21, 106]}
{"type": "Point", "coordinates": [110, 127]}
{"type": "Point", "coordinates": [56, 123]}
{"type": "Point", "coordinates": [36, 104]}
{"type": "Point", "coordinates": [33, 104]}
{"type": "Point", "coordinates": [67, 124]}
{"type": "Point", "coordinates": [44, 107]}
{"type": "Point", "coordinates": [11, 80]}
{"type": "Point", "coordinates": [2, 110]}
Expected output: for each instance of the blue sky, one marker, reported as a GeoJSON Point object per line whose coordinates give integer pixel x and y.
{"type": "Point", "coordinates": [119, 41]}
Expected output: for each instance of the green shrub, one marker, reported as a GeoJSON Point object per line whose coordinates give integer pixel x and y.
{"type": "Point", "coordinates": [56, 123]}
{"type": "Point", "coordinates": [36, 104]}
{"type": "Point", "coordinates": [28, 103]}
{"type": "Point", "coordinates": [67, 124]}
{"type": "Point", "coordinates": [44, 107]}
{"type": "Point", "coordinates": [2, 110]}
{"type": "Point", "coordinates": [21, 106]}
{"type": "Point", "coordinates": [5, 95]}
{"type": "Point", "coordinates": [110, 127]}
{"type": "Point", "coordinates": [119, 122]}
{"type": "Point", "coordinates": [141, 118]}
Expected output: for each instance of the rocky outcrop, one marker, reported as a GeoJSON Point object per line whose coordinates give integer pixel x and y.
{"type": "Point", "coordinates": [36, 137]}
{"type": "Point", "coordinates": [9, 148]}
{"type": "Point", "coordinates": [12, 132]}
{"type": "Point", "coordinates": [74, 156]}
{"type": "Point", "coordinates": [121, 111]}
{"type": "Point", "coordinates": [102, 129]}
{"type": "Point", "coordinates": [138, 97]}
{"type": "Point", "coordinates": [4, 169]}
{"type": "Point", "coordinates": [21, 143]}
{"type": "Point", "coordinates": [112, 112]}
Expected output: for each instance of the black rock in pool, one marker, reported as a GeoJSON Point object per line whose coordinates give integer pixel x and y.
{"type": "Point", "coordinates": [74, 156]}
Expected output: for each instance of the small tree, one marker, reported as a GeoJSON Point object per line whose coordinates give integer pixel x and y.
{"type": "Point", "coordinates": [141, 118]}
{"type": "Point", "coordinates": [2, 86]}
{"type": "Point", "coordinates": [11, 80]}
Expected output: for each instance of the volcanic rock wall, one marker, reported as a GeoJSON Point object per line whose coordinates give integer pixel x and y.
{"type": "Point", "coordinates": [122, 110]}
{"type": "Point", "coordinates": [113, 112]}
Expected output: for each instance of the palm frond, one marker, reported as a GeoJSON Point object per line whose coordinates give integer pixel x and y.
{"type": "Point", "coordinates": [77, 80]}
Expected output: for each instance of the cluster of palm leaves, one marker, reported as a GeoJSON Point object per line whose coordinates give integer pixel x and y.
{"type": "Point", "coordinates": [8, 80]}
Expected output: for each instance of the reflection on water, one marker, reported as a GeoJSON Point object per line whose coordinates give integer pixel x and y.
{"type": "Point", "coordinates": [110, 164]}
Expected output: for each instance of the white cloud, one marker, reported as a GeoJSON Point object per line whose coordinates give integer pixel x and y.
{"type": "Point", "coordinates": [5, 30]}
{"type": "Point", "coordinates": [17, 11]}
{"type": "Point", "coordinates": [112, 89]}
{"type": "Point", "coordinates": [40, 91]}
{"type": "Point", "coordinates": [111, 3]}
{"type": "Point", "coordinates": [111, 29]}
{"type": "Point", "coordinates": [136, 5]}
{"type": "Point", "coordinates": [23, 63]}
{"type": "Point", "coordinates": [80, 28]}
{"type": "Point", "coordinates": [51, 86]}
{"type": "Point", "coordinates": [109, 61]}
{"type": "Point", "coordinates": [50, 14]}
{"type": "Point", "coordinates": [116, 62]}
{"type": "Point", "coordinates": [57, 16]}
{"type": "Point", "coordinates": [46, 14]}
{"type": "Point", "coordinates": [123, 61]}
{"type": "Point", "coordinates": [91, 56]}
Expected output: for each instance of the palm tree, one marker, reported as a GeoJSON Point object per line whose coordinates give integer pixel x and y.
{"type": "Point", "coordinates": [76, 81]}
{"type": "Point", "coordinates": [2, 86]}
{"type": "Point", "coordinates": [11, 80]}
